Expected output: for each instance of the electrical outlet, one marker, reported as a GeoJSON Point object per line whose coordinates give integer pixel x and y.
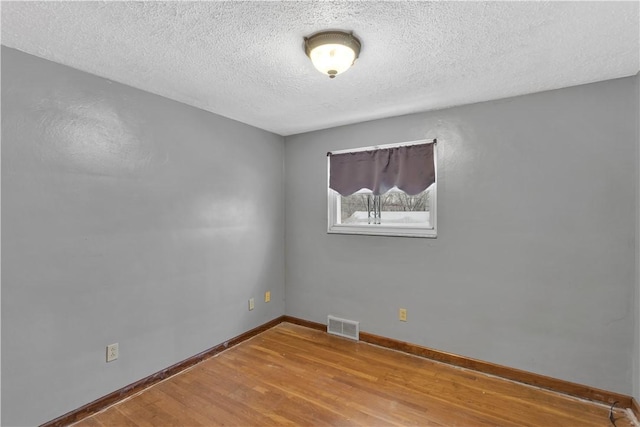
{"type": "Point", "coordinates": [402, 314]}
{"type": "Point", "coordinates": [252, 304]}
{"type": "Point", "coordinates": [267, 296]}
{"type": "Point", "coordinates": [112, 352]}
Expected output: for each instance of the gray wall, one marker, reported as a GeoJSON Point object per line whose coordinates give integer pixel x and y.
{"type": "Point", "coordinates": [128, 218]}
{"type": "Point", "coordinates": [636, 339]}
{"type": "Point", "coordinates": [534, 264]}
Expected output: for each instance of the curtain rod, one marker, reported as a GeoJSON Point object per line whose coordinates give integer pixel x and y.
{"type": "Point", "coordinates": [384, 146]}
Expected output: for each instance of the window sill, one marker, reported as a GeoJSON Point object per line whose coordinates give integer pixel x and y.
{"type": "Point", "coordinates": [382, 230]}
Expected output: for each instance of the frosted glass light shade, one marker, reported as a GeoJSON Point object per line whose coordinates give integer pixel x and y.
{"type": "Point", "coordinates": [332, 59]}
{"type": "Point", "coordinates": [332, 52]}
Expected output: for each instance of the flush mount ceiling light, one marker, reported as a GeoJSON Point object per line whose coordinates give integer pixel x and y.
{"type": "Point", "coordinates": [332, 52]}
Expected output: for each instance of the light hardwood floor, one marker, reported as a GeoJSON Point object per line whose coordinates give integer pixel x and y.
{"type": "Point", "coordinates": [292, 375]}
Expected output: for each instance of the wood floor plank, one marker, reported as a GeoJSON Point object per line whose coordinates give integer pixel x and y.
{"type": "Point", "coordinates": [290, 375]}
{"type": "Point", "coordinates": [93, 422]}
{"type": "Point", "coordinates": [565, 416]}
{"type": "Point", "coordinates": [487, 405]}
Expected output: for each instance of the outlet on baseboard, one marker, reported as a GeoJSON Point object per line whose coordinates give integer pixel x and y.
{"type": "Point", "coordinates": [252, 304]}
{"type": "Point", "coordinates": [112, 352]}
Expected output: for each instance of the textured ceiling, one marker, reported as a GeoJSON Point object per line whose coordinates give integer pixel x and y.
{"type": "Point", "coordinates": [245, 60]}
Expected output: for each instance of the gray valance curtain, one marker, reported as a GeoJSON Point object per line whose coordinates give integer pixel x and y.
{"type": "Point", "coordinates": [410, 168]}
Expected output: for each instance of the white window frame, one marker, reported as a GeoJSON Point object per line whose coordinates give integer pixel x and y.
{"type": "Point", "coordinates": [401, 230]}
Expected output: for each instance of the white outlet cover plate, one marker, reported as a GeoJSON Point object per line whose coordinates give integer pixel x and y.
{"type": "Point", "coordinates": [112, 352]}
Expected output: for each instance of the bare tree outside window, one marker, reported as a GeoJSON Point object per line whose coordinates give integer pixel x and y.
{"type": "Point", "coordinates": [354, 207]}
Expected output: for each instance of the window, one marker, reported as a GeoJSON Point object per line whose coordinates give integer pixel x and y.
{"type": "Point", "coordinates": [388, 190]}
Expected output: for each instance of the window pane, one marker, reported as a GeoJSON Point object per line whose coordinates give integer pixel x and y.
{"type": "Point", "coordinates": [396, 208]}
